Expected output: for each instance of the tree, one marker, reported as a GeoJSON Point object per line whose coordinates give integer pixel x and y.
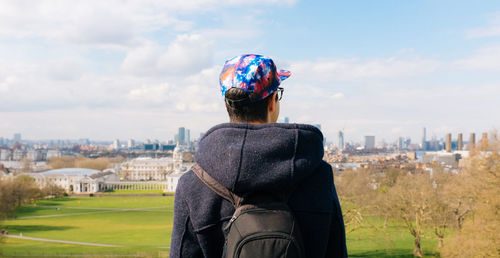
{"type": "Point", "coordinates": [62, 162]}
{"type": "Point", "coordinates": [381, 202]}
{"type": "Point", "coordinates": [15, 192]}
{"type": "Point", "coordinates": [53, 190]}
{"type": "Point", "coordinates": [353, 188]}
{"type": "Point", "coordinates": [81, 162]}
{"type": "Point", "coordinates": [410, 199]}
{"type": "Point", "coordinates": [26, 165]}
{"type": "Point", "coordinates": [25, 190]}
{"type": "Point", "coordinates": [479, 234]}
{"type": "Point", "coordinates": [98, 164]}
{"type": "Point", "coordinates": [441, 215]}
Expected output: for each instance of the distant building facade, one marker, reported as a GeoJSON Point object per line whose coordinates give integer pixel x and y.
{"type": "Point", "coordinates": [75, 180]}
{"type": "Point", "coordinates": [147, 169]}
{"type": "Point", "coordinates": [369, 142]}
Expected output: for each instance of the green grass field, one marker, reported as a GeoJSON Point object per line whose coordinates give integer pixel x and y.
{"type": "Point", "coordinates": [141, 226]}
{"type": "Point", "coordinates": [122, 191]}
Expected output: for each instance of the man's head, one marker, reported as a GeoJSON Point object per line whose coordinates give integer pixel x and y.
{"type": "Point", "coordinates": [250, 86]}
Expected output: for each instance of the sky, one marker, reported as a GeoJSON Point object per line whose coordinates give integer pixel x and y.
{"type": "Point", "coordinates": [126, 69]}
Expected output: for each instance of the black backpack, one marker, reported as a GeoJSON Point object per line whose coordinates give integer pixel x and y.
{"type": "Point", "coordinates": [262, 225]}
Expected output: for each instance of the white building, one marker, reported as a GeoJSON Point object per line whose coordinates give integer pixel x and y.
{"type": "Point", "coordinates": [131, 143]}
{"type": "Point", "coordinates": [450, 159]}
{"type": "Point", "coordinates": [75, 180]}
{"type": "Point", "coordinates": [5, 154]}
{"type": "Point", "coordinates": [17, 154]}
{"type": "Point", "coordinates": [147, 169]}
{"type": "Point", "coordinates": [34, 155]}
{"type": "Point", "coordinates": [167, 185]}
{"type": "Point", "coordinates": [155, 169]}
{"type": "Point", "coordinates": [116, 144]}
{"type": "Point", "coordinates": [173, 179]}
{"type": "Point", "coordinates": [53, 154]}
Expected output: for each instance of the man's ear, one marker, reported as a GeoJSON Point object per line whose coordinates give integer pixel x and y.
{"type": "Point", "coordinates": [271, 105]}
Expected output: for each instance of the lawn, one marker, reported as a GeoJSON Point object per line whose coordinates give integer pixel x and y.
{"type": "Point", "coordinates": [142, 225]}
{"type": "Point", "coordinates": [372, 240]}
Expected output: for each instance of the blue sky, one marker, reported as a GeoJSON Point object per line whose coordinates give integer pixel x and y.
{"type": "Point", "coordinates": [140, 69]}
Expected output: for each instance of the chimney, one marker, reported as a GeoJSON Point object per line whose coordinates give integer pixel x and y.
{"type": "Point", "coordinates": [460, 143]}
{"type": "Point", "coordinates": [448, 142]}
{"type": "Point", "coordinates": [472, 141]}
{"type": "Point", "coordinates": [484, 142]}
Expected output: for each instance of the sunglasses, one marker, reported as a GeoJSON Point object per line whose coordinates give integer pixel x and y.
{"type": "Point", "coordinates": [279, 93]}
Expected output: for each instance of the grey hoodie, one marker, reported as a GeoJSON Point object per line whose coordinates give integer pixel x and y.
{"type": "Point", "coordinates": [268, 158]}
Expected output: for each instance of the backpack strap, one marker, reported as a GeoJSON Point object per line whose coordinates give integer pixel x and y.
{"type": "Point", "coordinates": [215, 186]}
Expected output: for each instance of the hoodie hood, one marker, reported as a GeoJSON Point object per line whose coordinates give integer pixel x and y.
{"type": "Point", "coordinates": [260, 158]}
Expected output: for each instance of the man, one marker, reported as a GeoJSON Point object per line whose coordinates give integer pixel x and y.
{"type": "Point", "coordinates": [255, 154]}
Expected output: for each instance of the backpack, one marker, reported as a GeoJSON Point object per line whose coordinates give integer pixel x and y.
{"type": "Point", "coordinates": [262, 224]}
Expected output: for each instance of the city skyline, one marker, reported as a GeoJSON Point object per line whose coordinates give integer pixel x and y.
{"type": "Point", "coordinates": [135, 70]}
{"type": "Point", "coordinates": [340, 141]}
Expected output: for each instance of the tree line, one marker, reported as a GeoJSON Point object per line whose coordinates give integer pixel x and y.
{"type": "Point", "coordinates": [20, 190]}
{"type": "Point", "coordinates": [81, 161]}
{"type": "Point", "coordinates": [461, 208]}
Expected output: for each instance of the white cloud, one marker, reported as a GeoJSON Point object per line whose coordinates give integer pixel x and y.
{"type": "Point", "coordinates": [66, 70]}
{"type": "Point", "coordinates": [105, 23]}
{"type": "Point", "coordinates": [485, 59]}
{"type": "Point", "coordinates": [197, 93]}
{"type": "Point", "coordinates": [6, 82]}
{"type": "Point", "coordinates": [355, 69]}
{"type": "Point", "coordinates": [338, 95]}
{"type": "Point", "coordinates": [492, 30]}
{"type": "Point", "coordinates": [156, 94]}
{"type": "Point", "coordinates": [187, 54]}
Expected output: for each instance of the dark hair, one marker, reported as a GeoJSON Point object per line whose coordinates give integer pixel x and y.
{"type": "Point", "coordinates": [241, 109]}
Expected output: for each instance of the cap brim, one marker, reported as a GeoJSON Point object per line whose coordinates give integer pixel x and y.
{"type": "Point", "coordinates": [284, 74]}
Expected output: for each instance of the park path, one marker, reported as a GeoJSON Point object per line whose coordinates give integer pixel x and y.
{"type": "Point", "coordinates": [61, 241]}
{"type": "Point", "coordinates": [70, 242]}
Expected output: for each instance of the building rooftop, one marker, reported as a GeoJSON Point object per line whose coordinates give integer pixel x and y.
{"type": "Point", "coordinates": [71, 172]}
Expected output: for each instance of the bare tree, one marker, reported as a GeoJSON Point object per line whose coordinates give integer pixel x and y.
{"type": "Point", "coordinates": [410, 201]}
{"type": "Point", "coordinates": [62, 162]}
{"type": "Point", "coordinates": [53, 190]}
{"type": "Point", "coordinates": [441, 216]}
{"type": "Point", "coordinates": [98, 164]}
{"type": "Point", "coordinates": [479, 235]}
{"type": "Point", "coordinates": [354, 188]}
{"type": "Point", "coordinates": [81, 162]}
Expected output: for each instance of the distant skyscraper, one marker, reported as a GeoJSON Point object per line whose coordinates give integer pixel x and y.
{"type": "Point", "coordinates": [448, 142]}
{"type": "Point", "coordinates": [17, 137]}
{"type": "Point", "coordinates": [400, 143]}
{"type": "Point", "coordinates": [188, 137]}
{"type": "Point", "coordinates": [287, 120]}
{"type": "Point", "coordinates": [181, 136]}
{"type": "Point", "coordinates": [424, 139]}
{"type": "Point", "coordinates": [131, 143]}
{"type": "Point", "coordinates": [369, 142]}
{"type": "Point", "coordinates": [341, 140]}
{"type": "Point", "coordinates": [460, 142]}
{"type": "Point", "coordinates": [116, 144]}
{"type": "Point", "coordinates": [1, 141]}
